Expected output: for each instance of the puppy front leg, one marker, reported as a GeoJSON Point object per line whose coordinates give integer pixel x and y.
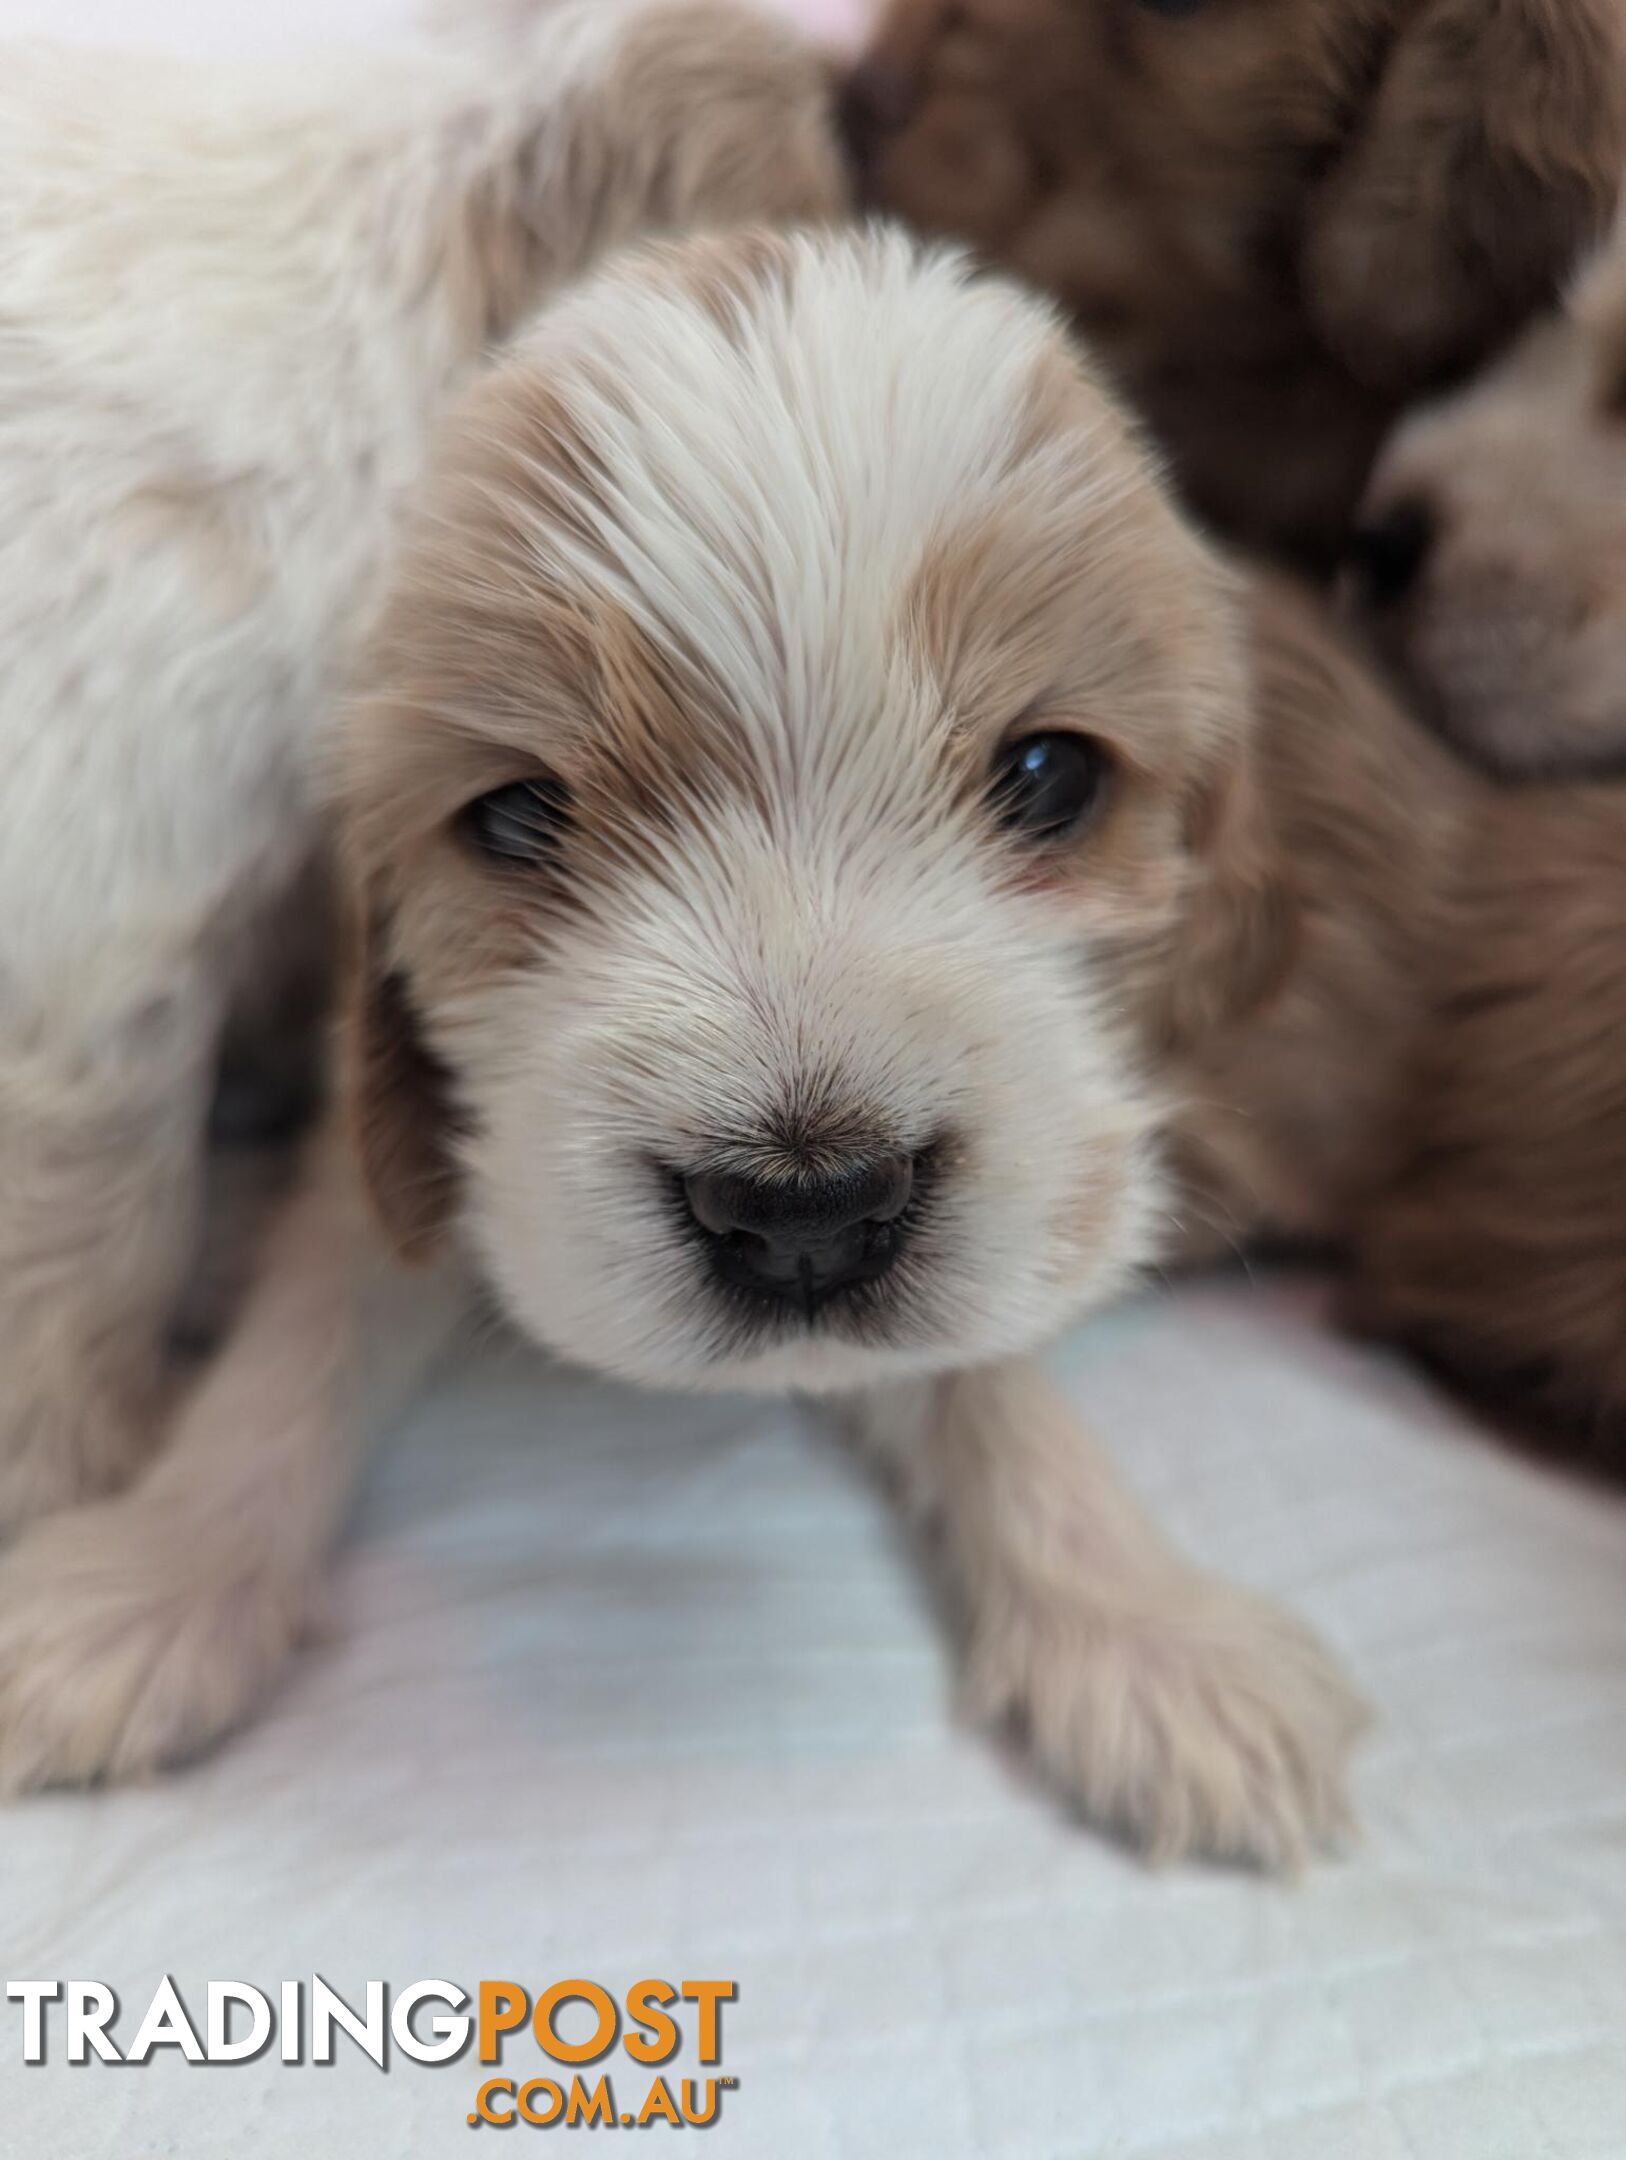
{"type": "Point", "coordinates": [100, 1179]}
{"type": "Point", "coordinates": [1165, 1703]}
{"type": "Point", "coordinates": [136, 1631]}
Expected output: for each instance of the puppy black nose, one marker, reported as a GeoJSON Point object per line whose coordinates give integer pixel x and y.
{"type": "Point", "coordinates": [1388, 551]}
{"type": "Point", "coordinates": [800, 1238]}
{"type": "Point", "coordinates": [876, 100]}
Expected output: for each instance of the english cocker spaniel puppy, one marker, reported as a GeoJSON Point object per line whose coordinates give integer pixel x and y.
{"type": "Point", "coordinates": [840, 876]}
{"type": "Point", "coordinates": [1490, 559]}
{"type": "Point", "coordinates": [1280, 220]}
{"type": "Point", "coordinates": [234, 308]}
{"type": "Point", "coordinates": [1491, 568]}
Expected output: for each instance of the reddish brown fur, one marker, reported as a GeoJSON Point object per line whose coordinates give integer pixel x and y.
{"type": "Point", "coordinates": [483, 640]}
{"type": "Point", "coordinates": [1296, 999]}
{"type": "Point", "coordinates": [1499, 1249]}
{"type": "Point", "coordinates": [1439, 1081]}
{"type": "Point", "coordinates": [395, 1097]}
{"type": "Point", "coordinates": [1279, 221]}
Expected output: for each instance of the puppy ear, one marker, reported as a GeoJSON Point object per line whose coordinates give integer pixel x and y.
{"type": "Point", "coordinates": [396, 1093]}
{"type": "Point", "coordinates": [696, 113]}
{"type": "Point", "coordinates": [1237, 940]}
{"type": "Point", "coordinates": [1489, 154]}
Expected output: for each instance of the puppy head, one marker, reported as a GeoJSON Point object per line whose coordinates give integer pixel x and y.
{"type": "Point", "coordinates": [799, 738]}
{"type": "Point", "coordinates": [1490, 559]}
{"type": "Point", "coordinates": [1417, 175]}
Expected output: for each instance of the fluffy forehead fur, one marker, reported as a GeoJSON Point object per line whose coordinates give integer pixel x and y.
{"type": "Point", "coordinates": [763, 547]}
{"type": "Point", "coordinates": [1513, 627]}
{"type": "Point", "coordinates": [1280, 217]}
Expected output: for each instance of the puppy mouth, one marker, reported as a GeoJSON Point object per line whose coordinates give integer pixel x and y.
{"type": "Point", "coordinates": [830, 1257]}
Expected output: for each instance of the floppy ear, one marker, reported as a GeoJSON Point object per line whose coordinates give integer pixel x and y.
{"type": "Point", "coordinates": [1489, 154]}
{"type": "Point", "coordinates": [702, 113]}
{"type": "Point", "coordinates": [396, 1093]}
{"type": "Point", "coordinates": [1237, 940]}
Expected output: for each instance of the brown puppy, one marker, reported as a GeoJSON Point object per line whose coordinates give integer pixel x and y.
{"type": "Point", "coordinates": [1499, 1248]}
{"type": "Point", "coordinates": [1492, 566]}
{"type": "Point", "coordinates": [1490, 561]}
{"type": "Point", "coordinates": [1280, 219]}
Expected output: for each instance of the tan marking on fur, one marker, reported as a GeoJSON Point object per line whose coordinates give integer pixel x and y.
{"type": "Point", "coordinates": [395, 1096]}
{"type": "Point", "coordinates": [488, 668]}
{"type": "Point", "coordinates": [194, 520]}
{"type": "Point", "coordinates": [491, 662]}
{"type": "Point", "coordinates": [992, 603]}
{"type": "Point", "coordinates": [758, 143]}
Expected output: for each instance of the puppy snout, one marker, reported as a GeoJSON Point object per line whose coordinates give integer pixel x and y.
{"type": "Point", "coordinates": [876, 100]}
{"type": "Point", "coordinates": [1388, 550]}
{"type": "Point", "coordinates": [798, 1239]}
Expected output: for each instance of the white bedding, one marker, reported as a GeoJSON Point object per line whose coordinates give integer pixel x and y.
{"type": "Point", "coordinates": [621, 1686]}
{"type": "Point", "coordinates": [624, 1686]}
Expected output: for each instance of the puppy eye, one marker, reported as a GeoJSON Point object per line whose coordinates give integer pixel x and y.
{"type": "Point", "coordinates": [1044, 787]}
{"type": "Point", "coordinates": [521, 825]}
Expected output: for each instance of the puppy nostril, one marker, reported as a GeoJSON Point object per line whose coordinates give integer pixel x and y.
{"type": "Point", "coordinates": [1387, 552]}
{"type": "Point", "coordinates": [802, 1237]}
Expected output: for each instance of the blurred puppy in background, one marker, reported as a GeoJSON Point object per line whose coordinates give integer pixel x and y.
{"type": "Point", "coordinates": [1280, 222]}
{"type": "Point", "coordinates": [1490, 561]}
{"type": "Point", "coordinates": [1491, 568]}
{"type": "Point", "coordinates": [234, 305]}
{"type": "Point", "coordinates": [1498, 1247]}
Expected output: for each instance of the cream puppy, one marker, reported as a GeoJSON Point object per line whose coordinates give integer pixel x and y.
{"type": "Point", "coordinates": [234, 306]}
{"type": "Point", "coordinates": [817, 919]}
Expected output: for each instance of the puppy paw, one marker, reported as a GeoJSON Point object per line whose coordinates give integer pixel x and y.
{"type": "Point", "coordinates": [128, 1643]}
{"type": "Point", "coordinates": [1210, 1723]}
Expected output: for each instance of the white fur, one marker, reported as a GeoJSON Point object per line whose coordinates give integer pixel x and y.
{"type": "Point", "coordinates": [232, 304]}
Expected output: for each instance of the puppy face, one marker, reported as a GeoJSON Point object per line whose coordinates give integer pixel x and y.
{"type": "Point", "coordinates": [1490, 561]}
{"type": "Point", "coordinates": [798, 738]}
